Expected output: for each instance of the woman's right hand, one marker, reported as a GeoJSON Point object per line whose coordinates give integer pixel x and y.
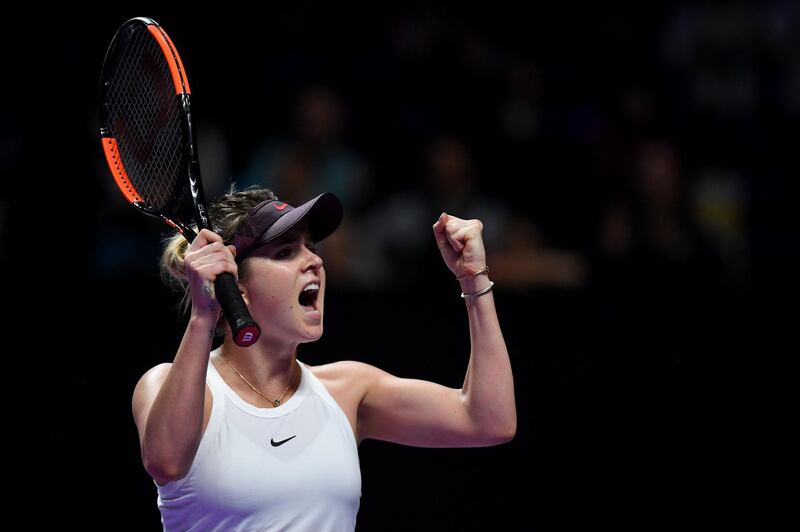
{"type": "Point", "coordinates": [206, 258]}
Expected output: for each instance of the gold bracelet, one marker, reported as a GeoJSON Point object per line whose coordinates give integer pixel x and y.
{"type": "Point", "coordinates": [483, 271]}
{"type": "Point", "coordinates": [479, 292]}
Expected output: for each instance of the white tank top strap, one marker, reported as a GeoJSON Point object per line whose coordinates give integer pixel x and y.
{"type": "Point", "coordinates": [320, 389]}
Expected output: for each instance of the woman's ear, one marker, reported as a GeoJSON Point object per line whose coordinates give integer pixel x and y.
{"type": "Point", "coordinates": [243, 291]}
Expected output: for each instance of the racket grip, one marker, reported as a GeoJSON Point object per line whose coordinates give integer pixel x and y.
{"type": "Point", "coordinates": [245, 330]}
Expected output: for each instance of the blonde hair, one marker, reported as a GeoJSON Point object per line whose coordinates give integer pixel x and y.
{"type": "Point", "coordinates": [227, 212]}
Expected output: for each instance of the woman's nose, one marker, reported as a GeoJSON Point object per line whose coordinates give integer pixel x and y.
{"type": "Point", "coordinates": [314, 260]}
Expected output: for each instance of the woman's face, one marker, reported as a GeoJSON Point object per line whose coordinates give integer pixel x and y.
{"type": "Point", "coordinates": [285, 288]}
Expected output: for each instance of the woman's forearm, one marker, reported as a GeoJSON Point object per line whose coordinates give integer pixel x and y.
{"type": "Point", "coordinates": [488, 391]}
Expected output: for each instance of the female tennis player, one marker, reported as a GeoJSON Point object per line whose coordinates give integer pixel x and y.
{"type": "Point", "coordinates": [251, 438]}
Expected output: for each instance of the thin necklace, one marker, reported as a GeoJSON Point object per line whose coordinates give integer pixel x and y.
{"type": "Point", "coordinates": [275, 402]}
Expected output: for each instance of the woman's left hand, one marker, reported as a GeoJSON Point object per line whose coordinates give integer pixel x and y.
{"type": "Point", "coordinates": [461, 244]}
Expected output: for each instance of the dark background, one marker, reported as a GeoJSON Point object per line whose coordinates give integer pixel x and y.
{"type": "Point", "coordinates": [655, 391]}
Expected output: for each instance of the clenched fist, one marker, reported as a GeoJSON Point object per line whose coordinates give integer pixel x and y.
{"type": "Point", "coordinates": [461, 244]}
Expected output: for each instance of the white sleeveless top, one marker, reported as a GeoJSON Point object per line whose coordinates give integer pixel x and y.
{"type": "Point", "coordinates": [294, 467]}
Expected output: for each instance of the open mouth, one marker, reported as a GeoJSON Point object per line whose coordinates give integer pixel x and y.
{"type": "Point", "coordinates": [308, 297]}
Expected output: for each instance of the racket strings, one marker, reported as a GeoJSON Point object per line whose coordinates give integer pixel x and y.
{"type": "Point", "coordinates": [145, 118]}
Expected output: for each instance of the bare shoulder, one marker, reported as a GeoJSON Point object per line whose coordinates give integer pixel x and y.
{"type": "Point", "coordinates": [152, 378]}
{"type": "Point", "coordinates": [342, 368]}
{"type": "Point", "coordinates": [346, 373]}
{"type": "Point", "coordinates": [347, 381]}
{"type": "Point", "coordinates": [146, 390]}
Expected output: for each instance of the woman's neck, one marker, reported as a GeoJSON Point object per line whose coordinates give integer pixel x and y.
{"type": "Point", "coordinates": [264, 368]}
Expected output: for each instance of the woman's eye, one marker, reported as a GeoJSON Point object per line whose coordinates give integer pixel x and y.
{"type": "Point", "coordinates": [288, 251]}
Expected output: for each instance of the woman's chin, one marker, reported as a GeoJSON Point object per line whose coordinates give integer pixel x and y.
{"type": "Point", "coordinates": [312, 334]}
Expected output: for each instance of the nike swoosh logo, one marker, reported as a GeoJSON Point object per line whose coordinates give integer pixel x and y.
{"type": "Point", "coordinates": [279, 443]}
{"type": "Point", "coordinates": [279, 207]}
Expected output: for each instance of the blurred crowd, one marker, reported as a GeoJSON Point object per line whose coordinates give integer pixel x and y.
{"type": "Point", "coordinates": [640, 155]}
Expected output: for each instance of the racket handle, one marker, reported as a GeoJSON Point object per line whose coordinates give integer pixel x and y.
{"type": "Point", "coordinates": [245, 330]}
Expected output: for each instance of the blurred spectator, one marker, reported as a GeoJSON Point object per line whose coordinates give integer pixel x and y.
{"type": "Point", "coordinates": [711, 46]}
{"type": "Point", "coordinates": [520, 112]}
{"type": "Point", "coordinates": [649, 243]}
{"type": "Point", "coordinates": [396, 243]}
{"type": "Point", "coordinates": [718, 201]}
{"type": "Point", "coordinates": [315, 158]}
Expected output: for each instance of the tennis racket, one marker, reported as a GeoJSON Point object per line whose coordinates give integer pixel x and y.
{"type": "Point", "coordinates": [149, 142]}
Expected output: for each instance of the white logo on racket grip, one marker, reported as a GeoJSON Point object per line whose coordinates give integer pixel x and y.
{"type": "Point", "coordinates": [248, 337]}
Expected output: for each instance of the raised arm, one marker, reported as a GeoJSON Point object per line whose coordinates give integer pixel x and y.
{"type": "Point", "coordinates": [170, 403]}
{"type": "Point", "coordinates": [483, 411]}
